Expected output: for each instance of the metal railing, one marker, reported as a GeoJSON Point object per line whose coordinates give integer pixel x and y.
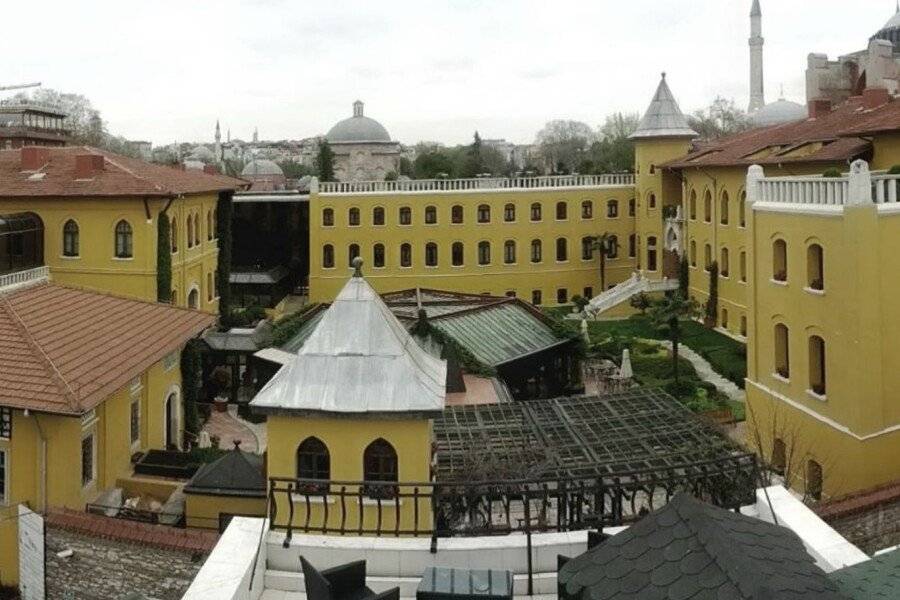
{"type": "Point", "coordinates": [456, 509]}
{"type": "Point", "coordinates": [480, 184]}
{"type": "Point", "coordinates": [26, 277]}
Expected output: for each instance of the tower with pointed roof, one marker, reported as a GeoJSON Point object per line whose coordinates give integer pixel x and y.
{"type": "Point", "coordinates": [757, 88]}
{"type": "Point", "coordinates": [662, 135]}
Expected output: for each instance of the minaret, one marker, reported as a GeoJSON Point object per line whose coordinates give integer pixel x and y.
{"type": "Point", "coordinates": [358, 108]}
{"type": "Point", "coordinates": [218, 147]}
{"type": "Point", "coordinates": [757, 93]}
{"type": "Point", "coordinates": [255, 135]}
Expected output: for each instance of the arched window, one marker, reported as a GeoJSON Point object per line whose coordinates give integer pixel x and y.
{"type": "Point", "coordinates": [782, 351]}
{"type": "Point", "coordinates": [457, 254]}
{"type": "Point", "coordinates": [536, 251]}
{"type": "Point", "coordinates": [405, 255]}
{"type": "Point", "coordinates": [693, 205]}
{"type": "Point", "coordinates": [196, 229]}
{"type": "Point", "coordinates": [632, 207]}
{"type": "Point", "coordinates": [632, 245]}
{"type": "Point", "coordinates": [313, 460]}
{"type": "Point", "coordinates": [723, 263]}
{"type": "Point", "coordinates": [779, 456]}
{"type": "Point", "coordinates": [509, 252]}
{"type": "Point", "coordinates": [353, 217]}
{"type": "Point", "coordinates": [431, 254]}
{"type": "Point", "coordinates": [723, 209]}
{"type": "Point", "coordinates": [352, 252]}
{"type": "Point", "coordinates": [693, 253]}
{"type": "Point", "coordinates": [484, 213]}
{"type": "Point", "coordinates": [725, 318]}
{"type": "Point", "coordinates": [327, 217]}
{"type": "Point", "coordinates": [193, 299]}
{"type": "Point", "coordinates": [190, 231]}
{"type": "Point", "coordinates": [209, 226]}
{"type": "Point", "coordinates": [173, 235]}
{"type": "Point", "coordinates": [651, 253]}
{"type": "Point", "coordinates": [378, 216]}
{"type": "Point", "coordinates": [378, 255]}
{"type": "Point", "coordinates": [327, 256]}
{"type": "Point", "coordinates": [587, 210]}
{"type": "Point", "coordinates": [70, 238]}
{"type": "Point", "coordinates": [612, 209]}
{"type": "Point", "coordinates": [707, 257]}
{"type": "Point", "coordinates": [209, 287]}
{"type": "Point", "coordinates": [651, 200]}
{"type": "Point", "coordinates": [817, 365]}
{"type": "Point", "coordinates": [814, 480]}
{"type": "Point", "coordinates": [743, 266]}
{"type": "Point", "coordinates": [430, 215]}
{"type": "Point", "coordinates": [707, 207]}
{"type": "Point", "coordinates": [405, 215]}
{"type": "Point", "coordinates": [215, 223]}
{"type": "Point", "coordinates": [379, 467]}
{"type": "Point", "coordinates": [779, 261]}
{"type": "Point", "coordinates": [456, 214]}
{"type": "Point", "coordinates": [536, 297]}
{"type": "Point", "coordinates": [484, 253]}
{"type": "Point", "coordinates": [612, 247]}
{"type": "Point", "coordinates": [742, 209]}
{"type": "Point", "coordinates": [815, 267]}
{"type": "Point", "coordinates": [509, 213]}
{"type": "Point", "coordinates": [587, 248]}
{"type": "Point", "coordinates": [124, 240]}
{"type": "Point", "coordinates": [536, 212]}
{"type": "Point", "coordinates": [562, 250]}
{"type": "Point", "coordinates": [562, 211]}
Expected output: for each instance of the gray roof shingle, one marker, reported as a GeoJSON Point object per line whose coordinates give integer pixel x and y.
{"type": "Point", "coordinates": [874, 579]}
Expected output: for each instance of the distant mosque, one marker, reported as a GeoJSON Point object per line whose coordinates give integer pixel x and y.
{"type": "Point", "coordinates": [762, 114]}
{"type": "Point", "coordinates": [363, 148]}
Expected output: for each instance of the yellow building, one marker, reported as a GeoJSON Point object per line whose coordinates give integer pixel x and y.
{"type": "Point", "coordinates": [529, 237]}
{"type": "Point", "coordinates": [234, 485]}
{"type": "Point", "coordinates": [100, 219]}
{"type": "Point", "coordinates": [355, 408]}
{"type": "Point", "coordinates": [86, 380]}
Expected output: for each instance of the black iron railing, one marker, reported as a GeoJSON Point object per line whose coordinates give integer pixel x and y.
{"type": "Point", "coordinates": [452, 509]}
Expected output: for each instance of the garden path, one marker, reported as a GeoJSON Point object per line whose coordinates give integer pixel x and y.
{"type": "Point", "coordinates": [704, 370]}
{"type": "Point", "coordinates": [228, 426]}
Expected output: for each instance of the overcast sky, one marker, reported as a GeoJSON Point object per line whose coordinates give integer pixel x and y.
{"type": "Point", "coordinates": [166, 70]}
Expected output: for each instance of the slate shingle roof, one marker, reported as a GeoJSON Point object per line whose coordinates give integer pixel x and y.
{"type": "Point", "coordinates": [238, 473]}
{"type": "Point", "coordinates": [871, 580]}
{"type": "Point", "coordinates": [692, 550]}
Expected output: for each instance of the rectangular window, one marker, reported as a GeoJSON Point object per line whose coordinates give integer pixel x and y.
{"type": "Point", "coordinates": [536, 297]}
{"type": "Point", "coordinates": [5, 423]}
{"type": "Point", "coordinates": [3, 469]}
{"type": "Point", "coordinates": [135, 421]}
{"type": "Point", "coordinates": [87, 460]}
{"type": "Point", "coordinates": [562, 296]}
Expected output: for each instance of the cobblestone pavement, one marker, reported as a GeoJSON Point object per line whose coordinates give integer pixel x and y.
{"type": "Point", "coordinates": [103, 569]}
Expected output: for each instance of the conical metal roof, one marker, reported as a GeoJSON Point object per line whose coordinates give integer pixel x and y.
{"type": "Point", "coordinates": [663, 118]}
{"type": "Point", "coordinates": [359, 360]}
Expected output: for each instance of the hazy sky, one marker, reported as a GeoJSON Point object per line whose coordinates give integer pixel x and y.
{"type": "Point", "coordinates": [165, 70]}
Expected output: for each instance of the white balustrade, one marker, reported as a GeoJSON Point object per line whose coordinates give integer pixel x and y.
{"type": "Point", "coordinates": [462, 185]}
{"type": "Point", "coordinates": [805, 190]}
{"type": "Point", "coordinates": [885, 189]}
{"type": "Point", "coordinates": [20, 278]}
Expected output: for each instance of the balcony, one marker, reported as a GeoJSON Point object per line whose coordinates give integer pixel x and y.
{"type": "Point", "coordinates": [17, 279]}
{"type": "Point", "coordinates": [470, 185]}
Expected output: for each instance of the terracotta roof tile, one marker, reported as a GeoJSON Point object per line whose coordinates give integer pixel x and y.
{"type": "Point", "coordinates": [65, 350]}
{"type": "Point", "coordinates": [120, 176]}
{"type": "Point", "coordinates": [826, 139]}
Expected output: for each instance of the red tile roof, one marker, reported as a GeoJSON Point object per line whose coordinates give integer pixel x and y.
{"type": "Point", "coordinates": [120, 176]}
{"type": "Point", "coordinates": [791, 142]}
{"type": "Point", "coordinates": [65, 350]}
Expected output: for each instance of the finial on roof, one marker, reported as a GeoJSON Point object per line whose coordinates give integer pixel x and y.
{"type": "Point", "coordinates": [237, 444]}
{"type": "Point", "coordinates": [357, 264]}
{"type": "Point", "coordinates": [664, 73]}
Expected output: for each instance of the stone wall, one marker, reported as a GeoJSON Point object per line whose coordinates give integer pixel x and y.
{"type": "Point", "coordinates": [870, 520]}
{"type": "Point", "coordinates": [102, 569]}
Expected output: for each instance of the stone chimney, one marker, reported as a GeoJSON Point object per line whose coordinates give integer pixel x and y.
{"type": "Point", "coordinates": [88, 165]}
{"type": "Point", "coordinates": [34, 157]}
{"type": "Point", "coordinates": [874, 97]}
{"type": "Point", "coordinates": [819, 107]}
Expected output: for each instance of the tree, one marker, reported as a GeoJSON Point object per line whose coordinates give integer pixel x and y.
{"type": "Point", "coordinates": [434, 163]}
{"type": "Point", "coordinates": [325, 161]}
{"type": "Point", "coordinates": [600, 243]}
{"type": "Point", "coordinates": [295, 170]}
{"type": "Point", "coordinates": [667, 314]}
{"type": "Point", "coordinates": [474, 164]}
{"type": "Point", "coordinates": [613, 152]}
{"type": "Point", "coordinates": [163, 259]}
{"type": "Point", "coordinates": [640, 302]}
{"type": "Point", "coordinates": [406, 167]}
{"type": "Point", "coordinates": [719, 119]}
{"type": "Point", "coordinates": [565, 144]}
{"type": "Point", "coordinates": [684, 275]}
{"type": "Point", "coordinates": [712, 302]}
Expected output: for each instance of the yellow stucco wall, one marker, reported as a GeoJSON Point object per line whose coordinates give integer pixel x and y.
{"type": "Point", "coordinates": [524, 277]}
{"type": "Point", "coordinates": [346, 440]}
{"type": "Point", "coordinates": [96, 266]}
{"type": "Point", "coordinates": [62, 436]}
{"type": "Point", "coordinates": [204, 511]}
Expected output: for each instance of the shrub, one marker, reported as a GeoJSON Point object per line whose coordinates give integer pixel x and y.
{"type": "Point", "coordinates": [712, 303]}
{"type": "Point", "coordinates": [580, 302]}
{"type": "Point", "coordinates": [895, 170]}
{"type": "Point", "coordinates": [832, 173]}
{"type": "Point", "coordinates": [640, 302]}
{"type": "Point", "coordinates": [681, 389]}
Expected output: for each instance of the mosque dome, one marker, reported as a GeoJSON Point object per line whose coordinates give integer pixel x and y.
{"type": "Point", "coordinates": [357, 129]}
{"type": "Point", "coordinates": [891, 30]}
{"type": "Point", "coordinates": [780, 111]}
{"type": "Point", "coordinates": [261, 166]}
{"type": "Point", "coordinates": [202, 154]}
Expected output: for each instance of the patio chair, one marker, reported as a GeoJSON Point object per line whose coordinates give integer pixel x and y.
{"type": "Point", "coordinates": [346, 582]}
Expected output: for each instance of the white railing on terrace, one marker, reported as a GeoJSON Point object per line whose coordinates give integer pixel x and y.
{"type": "Point", "coordinates": [20, 278]}
{"type": "Point", "coordinates": [462, 185]}
{"type": "Point", "coordinates": [858, 187]}
{"type": "Point", "coordinates": [805, 190]}
{"type": "Point", "coordinates": [885, 189]}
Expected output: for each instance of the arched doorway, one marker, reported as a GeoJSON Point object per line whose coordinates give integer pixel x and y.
{"type": "Point", "coordinates": [171, 425]}
{"type": "Point", "coordinates": [193, 299]}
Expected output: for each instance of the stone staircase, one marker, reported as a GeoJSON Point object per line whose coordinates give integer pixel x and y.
{"type": "Point", "coordinates": [638, 283]}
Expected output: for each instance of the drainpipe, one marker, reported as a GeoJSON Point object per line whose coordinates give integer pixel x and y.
{"type": "Point", "coordinates": [43, 459]}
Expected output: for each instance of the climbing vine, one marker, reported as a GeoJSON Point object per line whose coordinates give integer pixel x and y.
{"type": "Point", "coordinates": [191, 385]}
{"type": "Point", "coordinates": [163, 259]}
{"type": "Point", "coordinates": [223, 230]}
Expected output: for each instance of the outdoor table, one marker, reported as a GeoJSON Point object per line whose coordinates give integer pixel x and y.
{"type": "Point", "coordinates": [443, 583]}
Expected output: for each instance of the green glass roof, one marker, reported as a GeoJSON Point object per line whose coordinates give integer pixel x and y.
{"type": "Point", "coordinates": [873, 579]}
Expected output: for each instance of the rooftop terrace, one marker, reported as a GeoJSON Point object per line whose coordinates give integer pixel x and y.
{"type": "Point", "coordinates": [474, 185]}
